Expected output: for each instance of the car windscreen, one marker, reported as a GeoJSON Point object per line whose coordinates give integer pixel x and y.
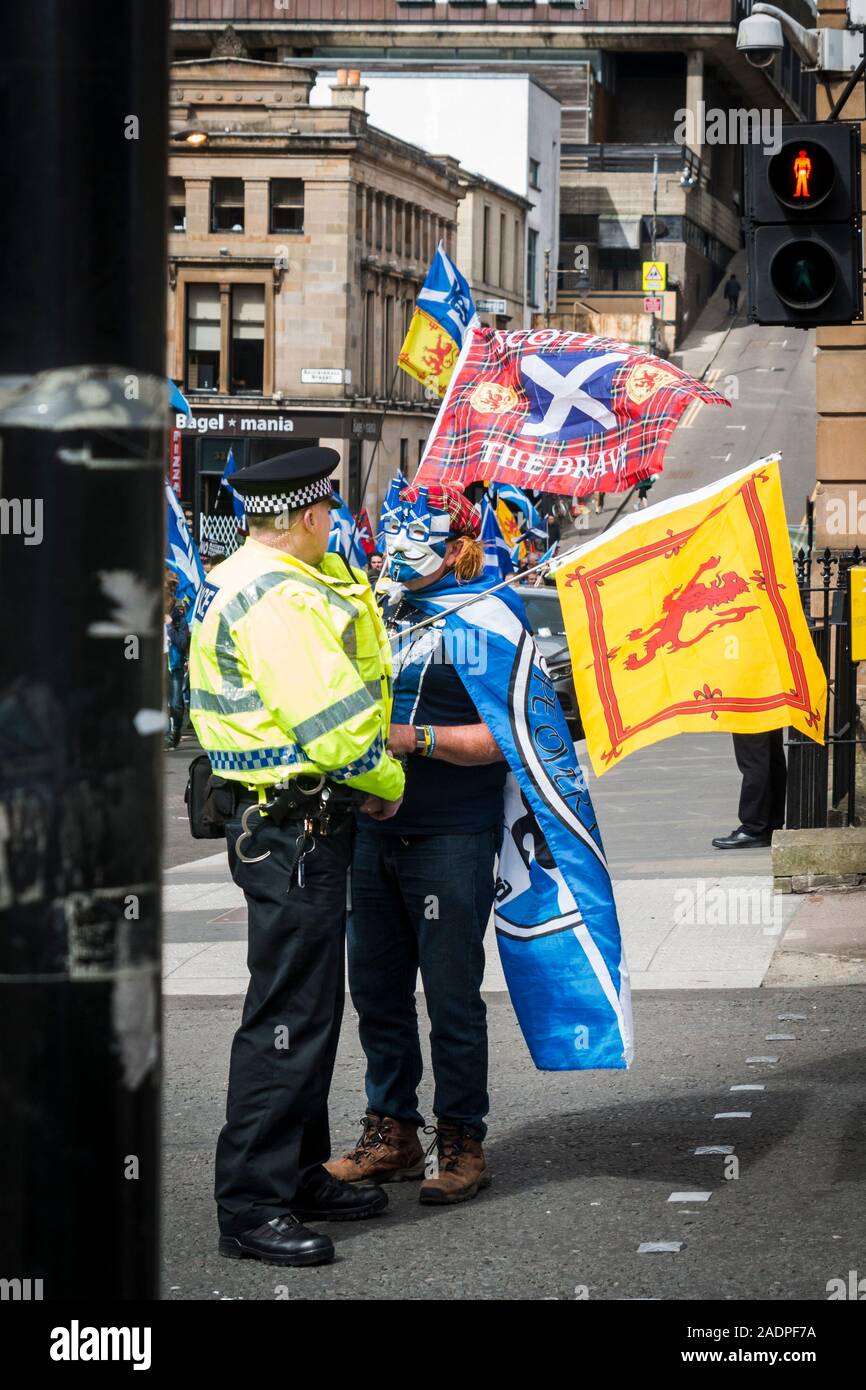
{"type": "Point", "coordinates": [544, 613]}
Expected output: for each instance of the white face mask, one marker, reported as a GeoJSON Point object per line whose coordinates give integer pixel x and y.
{"type": "Point", "coordinates": [415, 540]}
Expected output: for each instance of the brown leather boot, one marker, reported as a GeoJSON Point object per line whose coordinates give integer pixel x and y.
{"type": "Point", "coordinates": [457, 1170]}
{"type": "Point", "coordinates": [387, 1151]}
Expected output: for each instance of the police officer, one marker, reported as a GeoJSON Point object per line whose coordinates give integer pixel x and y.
{"type": "Point", "coordinates": [291, 698]}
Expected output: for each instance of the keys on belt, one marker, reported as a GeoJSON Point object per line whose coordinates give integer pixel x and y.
{"type": "Point", "coordinates": [289, 804]}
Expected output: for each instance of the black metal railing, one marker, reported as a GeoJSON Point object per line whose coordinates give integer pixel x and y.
{"type": "Point", "coordinates": [822, 778]}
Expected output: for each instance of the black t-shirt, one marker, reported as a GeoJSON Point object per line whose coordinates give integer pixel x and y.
{"type": "Point", "coordinates": [440, 798]}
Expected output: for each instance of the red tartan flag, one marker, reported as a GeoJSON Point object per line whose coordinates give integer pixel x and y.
{"type": "Point", "coordinates": [561, 412]}
{"type": "Point", "coordinates": [364, 535]}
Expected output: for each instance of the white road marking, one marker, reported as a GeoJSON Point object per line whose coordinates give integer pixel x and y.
{"type": "Point", "coordinates": [690, 1196]}
{"type": "Point", "coordinates": [733, 1115]}
{"type": "Point", "coordinates": [779, 1037]}
{"type": "Point", "coordinates": [749, 1088]}
{"type": "Point", "coordinates": [757, 1061]}
{"type": "Point", "coordinates": [660, 1247]}
{"type": "Point", "coordinates": [790, 1018]}
{"type": "Point", "coordinates": [714, 1149]}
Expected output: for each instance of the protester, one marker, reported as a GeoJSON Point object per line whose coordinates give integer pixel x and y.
{"type": "Point", "coordinates": [761, 760]}
{"type": "Point", "coordinates": [423, 882]}
{"type": "Point", "coordinates": [643, 489]}
{"type": "Point", "coordinates": [374, 567]}
{"type": "Point", "coordinates": [177, 652]}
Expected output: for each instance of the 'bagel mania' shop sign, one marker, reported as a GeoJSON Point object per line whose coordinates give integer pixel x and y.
{"type": "Point", "coordinates": [253, 435]}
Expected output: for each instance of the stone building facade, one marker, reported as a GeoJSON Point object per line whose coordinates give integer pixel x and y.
{"type": "Point", "coordinates": [298, 240]}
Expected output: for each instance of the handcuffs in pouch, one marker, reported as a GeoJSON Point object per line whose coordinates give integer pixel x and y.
{"type": "Point", "coordinates": [278, 810]}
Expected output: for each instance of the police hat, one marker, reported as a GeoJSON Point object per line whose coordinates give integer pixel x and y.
{"type": "Point", "coordinates": [289, 481]}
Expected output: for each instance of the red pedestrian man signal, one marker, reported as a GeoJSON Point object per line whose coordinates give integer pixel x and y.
{"type": "Point", "coordinates": [802, 173]}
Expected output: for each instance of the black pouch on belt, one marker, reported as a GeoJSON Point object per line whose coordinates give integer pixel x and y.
{"type": "Point", "coordinates": [210, 800]}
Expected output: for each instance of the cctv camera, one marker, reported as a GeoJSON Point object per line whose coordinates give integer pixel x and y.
{"type": "Point", "coordinates": [760, 38]}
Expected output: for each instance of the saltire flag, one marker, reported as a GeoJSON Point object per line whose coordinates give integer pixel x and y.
{"type": "Point", "coordinates": [533, 525]}
{"type": "Point", "coordinates": [392, 497]}
{"type": "Point", "coordinates": [497, 555]}
{"type": "Point", "coordinates": [556, 411]}
{"type": "Point", "coordinates": [181, 553]}
{"type": "Point", "coordinates": [555, 914]}
{"type": "Point", "coordinates": [343, 538]}
{"type": "Point", "coordinates": [686, 618]}
{"type": "Point", "coordinates": [364, 533]}
{"type": "Point", "coordinates": [227, 491]}
{"type": "Point", "coordinates": [443, 312]}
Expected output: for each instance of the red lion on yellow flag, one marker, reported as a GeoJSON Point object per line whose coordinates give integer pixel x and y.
{"type": "Point", "coordinates": [687, 618]}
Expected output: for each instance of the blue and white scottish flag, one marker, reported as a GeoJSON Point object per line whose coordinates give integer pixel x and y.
{"type": "Point", "coordinates": [392, 498]}
{"type": "Point", "coordinates": [181, 553]}
{"type": "Point", "coordinates": [533, 524]}
{"type": "Point", "coordinates": [497, 555]}
{"type": "Point", "coordinates": [555, 914]}
{"type": "Point", "coordinates": [237, 502]}
{"type": "Point", "coordinates": [343, 539]}
{"type": "Point", "coordinates": [447, 298]}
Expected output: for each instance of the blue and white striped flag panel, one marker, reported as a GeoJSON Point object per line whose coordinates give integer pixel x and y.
{"type": "Point", "coordinates": [556, 919]}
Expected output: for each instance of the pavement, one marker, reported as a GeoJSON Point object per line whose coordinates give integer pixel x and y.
{"type": "Point", "coordinates": [734, 988]}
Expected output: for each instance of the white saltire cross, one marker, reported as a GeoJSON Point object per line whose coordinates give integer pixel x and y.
{"type": "Point", "coordinates": [567, 392]}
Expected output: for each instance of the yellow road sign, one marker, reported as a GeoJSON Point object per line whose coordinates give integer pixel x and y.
{"type": "Point", "coordinates": [655, 276]}
{"type": "Point", "coordinates": [858, 613]}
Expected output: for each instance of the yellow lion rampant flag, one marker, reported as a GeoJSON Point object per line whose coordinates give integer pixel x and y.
{"type": "Point", "coordinates": [443, 313]}
{"type": "Point", "coordinates": [686, 618]}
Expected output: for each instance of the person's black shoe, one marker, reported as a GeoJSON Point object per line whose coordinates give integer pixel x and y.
{"type": "Point", "coordinates": [325, 1198]}
{"type": "Point", "coordinates": [742, 839]}
{"type": "Point", "coordinates": [283, 1241]}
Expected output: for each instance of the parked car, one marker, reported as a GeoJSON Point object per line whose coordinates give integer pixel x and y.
{"type": "Point", "coordinates": [545, 619]}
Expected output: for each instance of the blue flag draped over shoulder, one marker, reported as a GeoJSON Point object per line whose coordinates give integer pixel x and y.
{"type": "Point", "coordinates": [556, 922]}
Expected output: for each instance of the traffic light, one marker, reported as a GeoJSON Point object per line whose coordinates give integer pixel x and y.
{"type": "Point", "coordinates": [804, 248]}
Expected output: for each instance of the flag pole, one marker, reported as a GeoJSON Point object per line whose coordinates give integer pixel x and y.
{"type": "Point", "coordinates": [516, 578]}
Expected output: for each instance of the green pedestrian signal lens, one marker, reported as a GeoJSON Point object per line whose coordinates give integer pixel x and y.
{"type": "Point", "coordinates": [803, 274]}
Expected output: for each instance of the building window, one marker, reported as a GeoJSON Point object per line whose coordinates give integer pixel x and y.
{"type": "Point", "coordinates": [534, 173]}
{"type": "Point", "coordinates": [515, 259]}
{"type": "Point", "coordinates": [227, 205]}
{"type": "Point", "coordinates": [485, 246]}
{"type": "Point", "coordinates": [420, 449]}
{"type": "Point", "coordinates": [203, 337]}
{"type": "Point", "coordinates": [176, 205]}
{"type": "Point", "coordinates": [369, 367]}
{"type": "Point", "coordinates": [388, 354]}
{"type": "Point", "coordinates": [404, 457]}
{"type": "Point", "coordinates": [531, 264]}
{"type": "Point", "coordinates": [501, 280]}
{"type": "Point", "coordinates": [287, 205]}
{"type": "Point", "coordinates": [247, 340]}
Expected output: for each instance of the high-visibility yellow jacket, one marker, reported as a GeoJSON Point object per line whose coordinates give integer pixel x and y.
{"type": "Point", "coordinates": [290, 672]}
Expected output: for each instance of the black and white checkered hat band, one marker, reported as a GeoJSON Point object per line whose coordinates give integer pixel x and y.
{"type": "Point", "coordinates": [273, 503]}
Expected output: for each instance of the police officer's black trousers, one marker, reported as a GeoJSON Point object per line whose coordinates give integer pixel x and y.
{"type": "Point", "coordinates": [282, 1056]}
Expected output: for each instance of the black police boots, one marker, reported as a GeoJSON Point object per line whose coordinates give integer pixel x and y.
{"type": "Point", "coordinates": [283, 1241]}
{"type": "Point", "coordinates": [325, 1198]}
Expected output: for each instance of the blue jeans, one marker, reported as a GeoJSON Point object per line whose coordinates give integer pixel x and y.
{"type": "Point", "coordinates": [422, 902]}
